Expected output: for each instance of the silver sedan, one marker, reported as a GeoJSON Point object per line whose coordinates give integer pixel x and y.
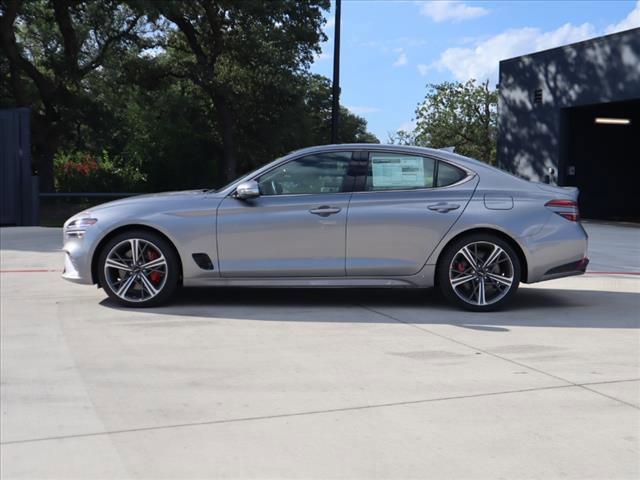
{"type": "Point", "coordinates": [337, 216]}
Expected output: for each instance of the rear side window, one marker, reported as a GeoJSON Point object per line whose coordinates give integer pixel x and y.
{"type": "Point", "coordinates": [448, 174]}
{"type": "Point", "coordinates": [392, 171]}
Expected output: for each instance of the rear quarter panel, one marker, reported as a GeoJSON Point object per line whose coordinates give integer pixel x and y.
{"type": "Point", "coordinates": [523, 221]}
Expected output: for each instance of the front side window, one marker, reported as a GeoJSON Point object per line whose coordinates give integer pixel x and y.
{"type": "Point", "coordinates": [313, 174]}
{"type": "Point", "coordinates": [392, 171]}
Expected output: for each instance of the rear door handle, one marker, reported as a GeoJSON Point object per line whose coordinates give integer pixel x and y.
{"type": "Point", "coordinates": [325, 210]}
{"type": "Point", "coordinates": [443, 207]}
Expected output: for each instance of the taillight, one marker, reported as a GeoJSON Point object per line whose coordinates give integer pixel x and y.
{"type": "Point", "coordinates": [565, 208]}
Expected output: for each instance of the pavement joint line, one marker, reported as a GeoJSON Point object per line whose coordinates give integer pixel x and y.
{"type": "Point", "coordinates": [308, 413]}
{"type": "Point", "coordinates": [495, 355]}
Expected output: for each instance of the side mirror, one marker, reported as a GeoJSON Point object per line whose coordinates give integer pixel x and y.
{"type": "Point", "coordinates": [247, 190]}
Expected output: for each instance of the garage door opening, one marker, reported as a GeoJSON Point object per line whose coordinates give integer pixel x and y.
{"type": "Point", "coordinates": [602, 158]}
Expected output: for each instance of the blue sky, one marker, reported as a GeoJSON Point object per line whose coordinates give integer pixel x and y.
{"type": "Point", "coordinates": [391, 49]}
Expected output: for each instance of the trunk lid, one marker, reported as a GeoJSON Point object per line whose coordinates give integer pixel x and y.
{"type": "Point", "coordinates": [566, 192]}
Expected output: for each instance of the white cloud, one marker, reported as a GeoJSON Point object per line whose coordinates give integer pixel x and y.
{"type": "Point", "coordinates": [362, 110]}
{"type": "Point", "coordinates": [423, 69]}
{"type": "Point", "coordinates": [450, 10]}
{"type": "Point", "coordinates": [630, 21]}
{"type": "Point", "coordinates": [401, 61]}
{"type": "Point", "coordinates": [481, 61]}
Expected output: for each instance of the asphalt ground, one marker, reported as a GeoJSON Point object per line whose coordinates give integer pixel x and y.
{"type": "Point", "coordinates": [233, 383]}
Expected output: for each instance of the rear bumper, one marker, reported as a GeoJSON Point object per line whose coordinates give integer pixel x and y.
{"type": "Point", "coordinates": [567, 270]}
{"type": "Point", "coordinates": [558, 250]}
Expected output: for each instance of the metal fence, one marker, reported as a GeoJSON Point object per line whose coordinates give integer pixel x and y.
{"type": "Point", "coordinates": [87, 195]}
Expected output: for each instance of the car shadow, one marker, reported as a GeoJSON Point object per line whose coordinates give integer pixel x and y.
{"type": "Point", "coordinates": [532, 307]}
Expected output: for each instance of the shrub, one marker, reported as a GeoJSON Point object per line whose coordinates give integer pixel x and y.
{"type": "Point", "coordinates": [84, 172]}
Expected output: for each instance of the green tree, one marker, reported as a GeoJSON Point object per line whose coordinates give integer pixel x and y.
{"type": "Point", "coordinates": [315, 110]}
{"type": "Point", "coordinates": [185, 94]}
{"type": "Point", "coordinates": [162, 124]}
{"type": "Point", "coordinates": [460, 115]}
{"type": "Point", "coordinates": [239, 52]}
{"type": "Point", "coordinates": [402, 137]}
{"type": "Point", "coordinates": [50, 50]}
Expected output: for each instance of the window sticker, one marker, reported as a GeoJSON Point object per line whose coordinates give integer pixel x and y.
{"type": "Point", "coordinates": [398, 172]}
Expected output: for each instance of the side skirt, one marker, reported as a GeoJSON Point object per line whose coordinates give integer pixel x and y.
{"type": "Point", "coordinates": [424, 279]}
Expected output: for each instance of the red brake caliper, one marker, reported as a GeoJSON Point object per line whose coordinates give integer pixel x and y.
{"type": "Point", "coordinates": [461, 268]}
{"type": "Point", "coordinates": [154, 276]}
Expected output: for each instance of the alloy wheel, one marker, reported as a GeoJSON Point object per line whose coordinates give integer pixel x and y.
{"type": "Point", "coordinates": [136, 270]}
{"type": "Point", "coordinates": [481, 273]}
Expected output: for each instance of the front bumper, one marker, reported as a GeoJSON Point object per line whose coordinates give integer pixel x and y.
{"type": "Point", "coordinates": [78, 255]}
{"type": "Point", "coordinates": [71, 271]}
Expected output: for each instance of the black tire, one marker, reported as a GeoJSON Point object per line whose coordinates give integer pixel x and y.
{"type": "Point", "coordinates": [494, 279]}
{"type": "Point", "coordinates": [168, 280]}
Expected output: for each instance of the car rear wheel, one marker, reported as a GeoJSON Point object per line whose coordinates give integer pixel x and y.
{"type": "Point", "coordinates": [479, 272]}
{"type": "Point", "coordinates": [138, 269]}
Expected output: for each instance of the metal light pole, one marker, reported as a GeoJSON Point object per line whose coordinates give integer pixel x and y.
{"type": "Point", "coordinates": [335, 107]}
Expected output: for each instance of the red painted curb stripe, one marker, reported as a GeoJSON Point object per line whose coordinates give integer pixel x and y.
{"type": "Point", "coordinates": [613, 273]}
{"type": "Point", "coordinates": [34, 270]}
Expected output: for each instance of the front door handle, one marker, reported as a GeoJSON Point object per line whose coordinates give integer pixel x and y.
{"type": "Point", "coordinates": [325, 210]}
{"type": "Point", "coordinates": [443, 207]}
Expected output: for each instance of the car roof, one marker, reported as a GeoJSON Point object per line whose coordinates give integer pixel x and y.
{"type": "Point", "coordinates": [463, 161]}
{"type": "Point", "coordinates": [490, 175]}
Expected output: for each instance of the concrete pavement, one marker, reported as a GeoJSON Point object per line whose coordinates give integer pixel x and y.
{"type": "Point", "coordinates": [320, 384]}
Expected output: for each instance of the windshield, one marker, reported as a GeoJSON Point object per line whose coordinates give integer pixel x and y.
{"type": "Point", "coordinates": [243, 177]}
{"type": "Point", "coordinates": [230, 183]}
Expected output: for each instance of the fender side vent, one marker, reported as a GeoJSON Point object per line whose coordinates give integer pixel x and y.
{"type": "Point", "coordinates": [203, 261]}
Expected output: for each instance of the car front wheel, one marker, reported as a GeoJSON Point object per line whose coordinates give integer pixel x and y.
{"type": "Point", "coordinates": [138, 269]}
{"type": "Point", "coordinates": [479, 272]}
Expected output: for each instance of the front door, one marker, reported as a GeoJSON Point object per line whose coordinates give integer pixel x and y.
{"type": "Point", "coordinates": [399, 215]}
{"type": "Point", "coordinates": [296, 227]}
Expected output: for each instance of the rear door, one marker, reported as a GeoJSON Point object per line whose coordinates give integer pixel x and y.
{"type": "Point", "coordinates": [400, 211]}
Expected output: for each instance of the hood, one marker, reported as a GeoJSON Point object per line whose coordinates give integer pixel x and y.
{"type": "Point", "coordinates": [151, 197]}
{"type": "Point", "coordinates": [146, 202]}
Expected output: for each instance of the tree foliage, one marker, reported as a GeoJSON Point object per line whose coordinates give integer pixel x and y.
{"type": "Point", "coordinates": [51, 51]}
{"type": "Point", "coordinates": [190, 93]}
{"type": "Point", "coordinates": [459, 115]}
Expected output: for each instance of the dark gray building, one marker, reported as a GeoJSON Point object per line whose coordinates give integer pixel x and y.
{"type": "Point", "coordinates": [574, 111]}
{"type": "Point", "coordinates": [18, 185]}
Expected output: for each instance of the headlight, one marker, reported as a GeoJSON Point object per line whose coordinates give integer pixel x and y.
{"type": "Point", "coordinates": [77, 228]}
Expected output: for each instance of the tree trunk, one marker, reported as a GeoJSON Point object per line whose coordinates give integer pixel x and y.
{"type": "Point", "coordinates": [45, 143]}
{"type": "Point", "coordinates": [45, 174]}
{"type": "Point", "coordinates": [44, 164]}
{"type": "Point", "coordinates": [225, 120]}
